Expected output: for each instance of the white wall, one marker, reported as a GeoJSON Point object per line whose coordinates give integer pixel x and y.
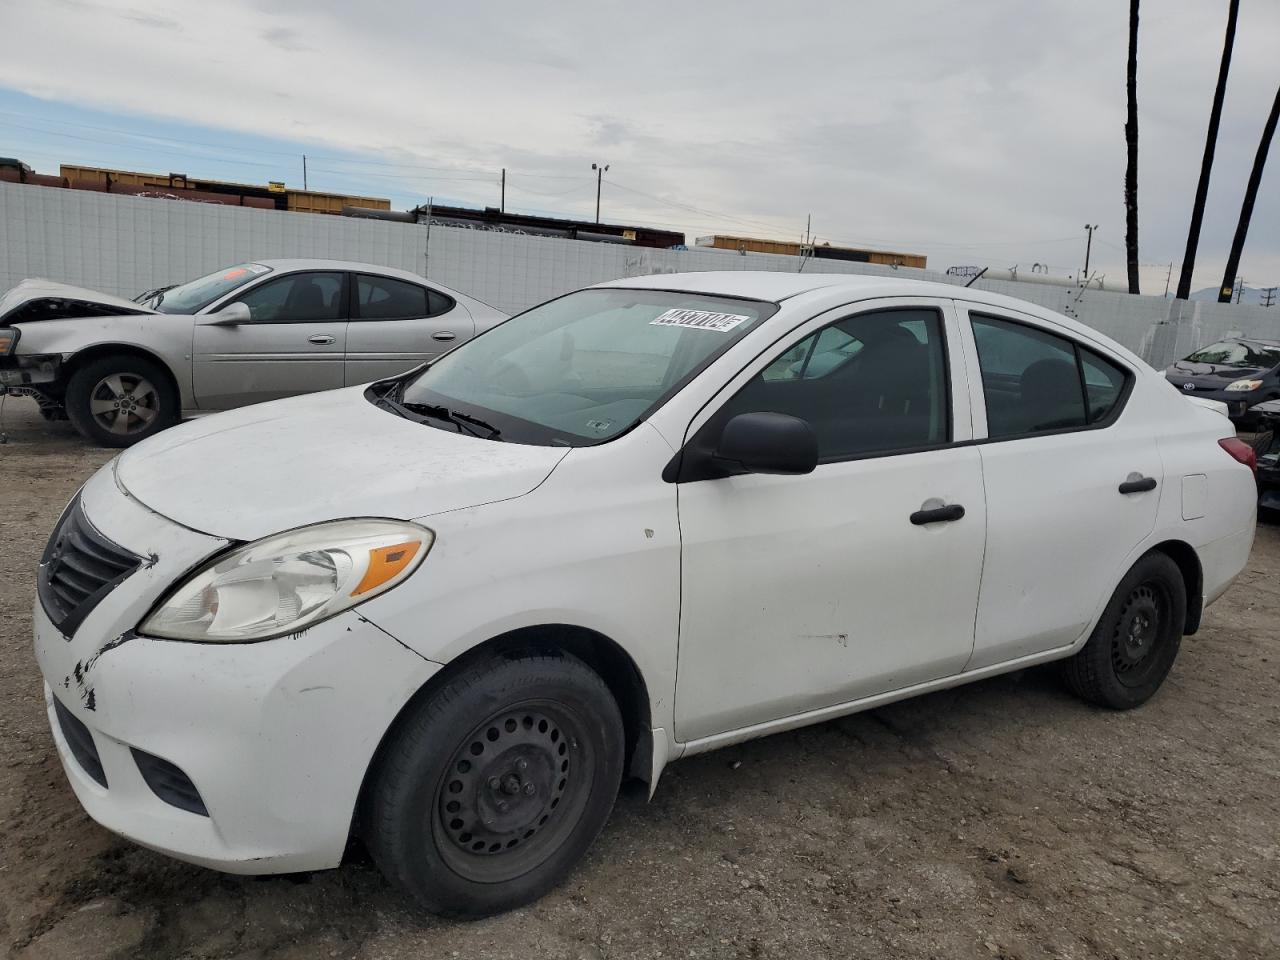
{"type": "Point", "coordinates": [125, 245]}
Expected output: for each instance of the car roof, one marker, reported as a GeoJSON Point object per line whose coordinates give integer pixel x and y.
{"type": "Point", "coordinates": [290, 265]}
{"type": "Point", "coordinates": [764, 285]}
{"type": "Point", "coordinates": [840, 288]}
{"type": "Point", "coordinates": [1255, 340]}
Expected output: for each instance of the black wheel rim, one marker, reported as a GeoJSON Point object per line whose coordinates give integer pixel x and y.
{"type": "Point", "coordinates": [513, 791]}
{"type": "Point", "coordinates": [1139, 641]}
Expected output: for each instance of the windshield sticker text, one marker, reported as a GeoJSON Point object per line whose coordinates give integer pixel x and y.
{"type": "Point", "coordinates": [698, 320]}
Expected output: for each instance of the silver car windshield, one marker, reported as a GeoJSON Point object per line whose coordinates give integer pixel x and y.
{"type": "Point", "coordinates": [584, 368]}
{"type": "Point", "coordinates": [195, 295]}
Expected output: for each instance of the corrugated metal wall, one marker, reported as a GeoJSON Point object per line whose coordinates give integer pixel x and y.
{"type": "Point", "coordinates": [125, 245]}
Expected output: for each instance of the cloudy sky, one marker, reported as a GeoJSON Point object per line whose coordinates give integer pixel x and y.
{"type": "Point", "coordinates": [981, 133]}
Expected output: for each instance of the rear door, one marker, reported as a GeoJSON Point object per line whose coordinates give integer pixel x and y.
{"type": "Point", "coordinates": [293, 343]}
{"type": "Point", "coordinates": [396, 325]}
{"type": "Point", "coordinates": [1058, 447]}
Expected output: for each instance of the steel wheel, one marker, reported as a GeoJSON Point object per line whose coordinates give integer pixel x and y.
{"type": "Point", "coordinates": [124, 403]}
{"type": "Point", "coordinates": [514, 788]}
{"type": "Point", "coordinates": [1135, 642]}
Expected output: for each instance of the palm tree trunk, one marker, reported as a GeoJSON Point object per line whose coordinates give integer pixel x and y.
{"type": "Point", "coordinates": [1206, 165]}
{"type": "Point", "coordinates": [1246, 209]}
{"type": "Point", "coordinates": [1131, 142]}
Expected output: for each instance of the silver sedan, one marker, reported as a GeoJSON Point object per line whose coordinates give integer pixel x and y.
{"type": "Point", "coordinates": [121, 370]}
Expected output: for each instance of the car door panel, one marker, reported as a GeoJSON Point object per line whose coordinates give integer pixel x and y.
{"type": "Point", "coordinates": [801, 592]}
{"type": "Point", "coordinates": [1059, 531]}
{"type": "Point", "coordinates": [380, 346]}
{"type": "Point", "coordinates": [279, 352]}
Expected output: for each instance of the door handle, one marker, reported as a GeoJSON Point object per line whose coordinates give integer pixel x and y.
{"type": "Point", "coordinates": [444, 335]}
{"type": "Point", "coordinates": [1138, 484]}
{"type": "Point", "coordinates": [946, 514]}
{"type": "Point", "coordinates": [321, 338]}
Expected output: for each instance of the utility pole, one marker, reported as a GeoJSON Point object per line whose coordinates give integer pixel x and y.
{"type": "Point", "coordinates": [304, 171]}
{"type": "Point", "coordinates": [1239, 289]}
{"type": "Point", "coordinates": [1168, 276]}
{"type": "Point", "coordinates": [1268, 296]}
{"type": "Point", "coordinates": [426, 254]}
{"type": "Point", "coordinates": [599, 178]}
{"type": "Point", "coordinates": [502, 203]}
{"type": "Point", "coordinates": [1088, 246]}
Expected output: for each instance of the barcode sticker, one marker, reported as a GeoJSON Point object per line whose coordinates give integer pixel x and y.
{"type": "Point", "coordinates": [699, 320]}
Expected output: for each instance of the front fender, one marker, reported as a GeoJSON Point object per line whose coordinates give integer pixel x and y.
{"type": "Point", "coordinates": [165, 337]}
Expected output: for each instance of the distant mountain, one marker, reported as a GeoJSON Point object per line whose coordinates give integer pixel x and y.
{"type": "Point", "coordinates": [1251, 295]}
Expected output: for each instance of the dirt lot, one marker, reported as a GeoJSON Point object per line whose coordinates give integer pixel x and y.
{"type": "Point", "coordinates": [1003, 819]}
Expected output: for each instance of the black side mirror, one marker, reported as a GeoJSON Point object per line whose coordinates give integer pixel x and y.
{"type": "Point", "coordinates": [768, 443]}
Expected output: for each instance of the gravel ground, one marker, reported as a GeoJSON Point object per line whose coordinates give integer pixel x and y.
{"type": "Point", "coordinates": [1003, 819]}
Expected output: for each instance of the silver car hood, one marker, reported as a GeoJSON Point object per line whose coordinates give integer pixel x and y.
{"type": "Point", "coordinates": [262, 469]}
{"type": "Point", "coordinates": [63, 301]}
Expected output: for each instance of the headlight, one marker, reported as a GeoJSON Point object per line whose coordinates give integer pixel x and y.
{"type": "Point", "coordinates": [1242, 385]}
{"type": "Point", "coordinates": [8, 341]}
{"type": "Point", "coordinates": [289, 581]}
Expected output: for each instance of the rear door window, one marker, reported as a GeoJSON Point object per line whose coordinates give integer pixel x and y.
{"type": "Point", "coordinates": [386, 298]}
{"type": "Point", "coordinates": [1037, 382]}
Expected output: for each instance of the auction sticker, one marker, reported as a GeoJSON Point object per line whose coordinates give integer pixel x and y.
{"type": "Point", "coordinates": [699, 320]}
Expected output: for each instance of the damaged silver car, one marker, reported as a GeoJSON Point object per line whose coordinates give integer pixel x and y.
{"type": "Point", "coordinates": [121, 370]}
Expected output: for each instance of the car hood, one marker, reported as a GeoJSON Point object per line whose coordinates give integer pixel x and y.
{"type": "Point", "coordinates": [58, 301]}
{"type": "Point", "coordinates": [252, 472]}
{"type": "Point", "coordinates": [1208, 372]}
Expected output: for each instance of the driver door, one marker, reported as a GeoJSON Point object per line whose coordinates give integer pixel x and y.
{"type": "Point", "coordinates": [295, 342]}
{"type": "Point", "coordinates": [800, 593]}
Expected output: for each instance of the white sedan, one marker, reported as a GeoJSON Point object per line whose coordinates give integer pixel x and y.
{"type": "Point", "coordinates": [644, 520]}
{"type": "Point", "coordinates": [122, 370]}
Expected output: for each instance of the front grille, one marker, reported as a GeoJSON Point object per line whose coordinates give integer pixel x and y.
{"type": "Point", "coordinates": [80, 742]}
{"type": "Point", "coordinates": [168, 782]}
{"type": "Point", "coordinates": [79, 567]}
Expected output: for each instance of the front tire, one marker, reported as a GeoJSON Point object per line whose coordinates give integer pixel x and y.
{"type": "Point", "coordinates": [1134, 645]}
{"type": "Point", "coordinates": [493, 786]}
{"type": "Point", "coordinates": [115, 401]}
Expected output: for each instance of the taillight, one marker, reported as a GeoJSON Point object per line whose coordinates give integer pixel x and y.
{"type": "Point", "coordinates": [1241, 452]}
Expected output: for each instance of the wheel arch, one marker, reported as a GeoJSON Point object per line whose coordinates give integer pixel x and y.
{"type": "Point", "coordinates": [602, 654]}
{"type": "Point", "coordinates": [1188, 561]}
{"type": "Point", "coordinates": [99, 350]}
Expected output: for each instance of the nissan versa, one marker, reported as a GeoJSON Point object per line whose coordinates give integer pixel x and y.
{"type": "Point", "coordinates": [450, 611]}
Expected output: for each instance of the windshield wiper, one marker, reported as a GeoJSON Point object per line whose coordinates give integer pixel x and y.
{"type": "Point", "coordinates": [394, 397]}
{"type": "Point", "coordinates": [464, 422]}
{"type": "Point", "coordinates": [494, 432]}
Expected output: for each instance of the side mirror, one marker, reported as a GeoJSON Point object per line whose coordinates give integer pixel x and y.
{"type": "Point", "coordinates": [767, 443]}
{"type": "Point", "coordinates": [232, 315]}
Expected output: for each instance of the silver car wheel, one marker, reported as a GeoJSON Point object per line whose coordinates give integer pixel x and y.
{"type": "Point", "coordinates": [124, 403]}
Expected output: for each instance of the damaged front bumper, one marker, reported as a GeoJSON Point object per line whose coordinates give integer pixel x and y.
{"type": "Point", "coordinates": [29, 370]}
{"type": "Point", "coordinates": [261, 748]}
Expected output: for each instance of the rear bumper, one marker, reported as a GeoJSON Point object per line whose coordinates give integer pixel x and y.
{"type": "Point", "coordinates": [1222, 560]}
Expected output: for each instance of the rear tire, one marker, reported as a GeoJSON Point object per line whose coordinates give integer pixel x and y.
{"type": "Point", "coordinates": [115, 401]}
{"type": "Point", "coordinates": [1134, 645]}
{"type": "Point", "coordinates": [492, 787]}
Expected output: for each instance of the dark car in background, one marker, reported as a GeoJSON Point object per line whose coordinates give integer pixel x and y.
{"type": "Point", "coordinates": [1267, 446]}
{"type": "Point", "coordinates": [1241, 372]}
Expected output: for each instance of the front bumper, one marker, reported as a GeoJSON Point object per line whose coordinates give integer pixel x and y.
{"type": "Point", "coordinates": [275, 736]}
{"type": "Point", "coordinates": [24, 370]}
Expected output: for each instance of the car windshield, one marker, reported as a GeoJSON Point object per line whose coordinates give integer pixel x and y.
{"type": "Point", "coordinates": [582, 369]}
{"type": "Point", "coordinates": [1238, 353]}
{"type": "Point", "coordinates": [195, 295]}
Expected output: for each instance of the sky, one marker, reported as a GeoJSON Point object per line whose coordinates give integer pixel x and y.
{"type": "Point", "coordinates": [979, 134]}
